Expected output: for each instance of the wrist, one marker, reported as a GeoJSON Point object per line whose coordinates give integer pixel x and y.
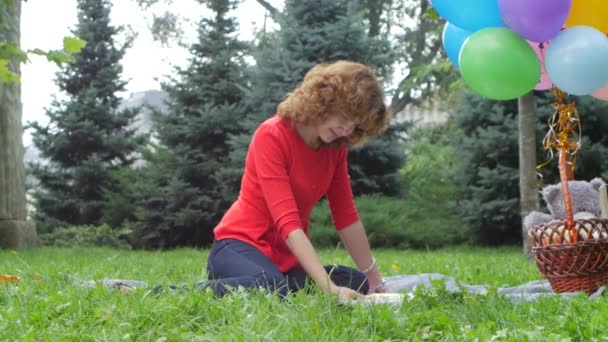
{"type": "Point", "coordinates": [375, 279]}
{"type": "Point", "coordinates": [374, 276]}
{"type": "Point", "coordinates": [328, 286]}
{"type": "Point", "coordinates": [371, 266]}
{"type": "Point", "coordinates": [375, 287]}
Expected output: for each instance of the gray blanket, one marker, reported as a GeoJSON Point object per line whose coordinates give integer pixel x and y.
{"type": "Point", "coordinates": [525, 292]}
{"type": "Point", "coordinates": [406, 284]}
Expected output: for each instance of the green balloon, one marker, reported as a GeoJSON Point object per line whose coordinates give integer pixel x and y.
{"type": "Point", "coordinates": [499, 64]}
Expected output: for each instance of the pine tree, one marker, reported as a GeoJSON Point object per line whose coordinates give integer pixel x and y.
{"type": "Point", "coordinates": [191, 185]}
{"type": "Point", "coordinates": [313, 32]}
{"type": "Point", "coordinates": [487, 160]}
{"type": "Point", "coordinates": [88, 137]}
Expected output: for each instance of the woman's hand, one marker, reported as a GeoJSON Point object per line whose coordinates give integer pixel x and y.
{"type": "Point", "coordinates": [377, 284]}
{"type": "Point", "coordinates": [381, 288]}
{"type": "Point", "coordinates": [346, 294]}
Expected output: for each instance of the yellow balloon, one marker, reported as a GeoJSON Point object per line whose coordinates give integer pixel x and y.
{"type": "Point", "coordinates": [592, 13]}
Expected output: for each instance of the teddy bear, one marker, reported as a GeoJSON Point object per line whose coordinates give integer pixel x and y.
{"type": "Point", "coordinates": [585, 202]}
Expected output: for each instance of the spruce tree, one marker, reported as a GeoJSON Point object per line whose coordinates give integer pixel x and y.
{"type": "Point", "coordinates": [190, 185]}
{"type": "Point", "coordinates": [487, 160]}
{"type": "Point", "coordinates": [318, 31]}
{"type": "Point", "coordinates": [88, 137]}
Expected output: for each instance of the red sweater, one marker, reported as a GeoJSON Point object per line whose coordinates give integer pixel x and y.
{"type": "Point", "coordinates": [283, 180]}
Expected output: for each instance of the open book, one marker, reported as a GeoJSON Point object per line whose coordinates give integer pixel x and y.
{"type": "Point", "coordinates": [389, 298]}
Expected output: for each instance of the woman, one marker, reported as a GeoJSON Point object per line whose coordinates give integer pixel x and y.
{"type": "Point", "coordinates": [294, 159]}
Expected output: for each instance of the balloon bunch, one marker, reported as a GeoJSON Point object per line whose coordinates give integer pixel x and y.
{"type": "Point", "coordinates": [505, 48]}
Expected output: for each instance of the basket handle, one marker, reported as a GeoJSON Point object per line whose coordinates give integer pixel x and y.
{"type": "Point", "coordinates": [604, 200]}
{"type": "Point", "coordinates": [565, 173]}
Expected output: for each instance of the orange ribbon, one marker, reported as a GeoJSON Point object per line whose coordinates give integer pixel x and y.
{"type": "Point", "coordinates": [564, 133]}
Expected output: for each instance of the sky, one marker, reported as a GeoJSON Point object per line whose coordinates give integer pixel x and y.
{"type": "Point", "coordinates": [44, 23]}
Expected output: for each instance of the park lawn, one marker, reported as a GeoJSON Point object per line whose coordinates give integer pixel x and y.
{"type": "Point", "coordinates": [51, 303]}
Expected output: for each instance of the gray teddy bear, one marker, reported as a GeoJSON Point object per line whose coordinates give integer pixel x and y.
{"type": "Point", "coordinates": [585, 202]}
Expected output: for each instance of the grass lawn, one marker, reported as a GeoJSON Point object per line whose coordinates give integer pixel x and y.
{"type": "Point", "coordinates": [49, 304]}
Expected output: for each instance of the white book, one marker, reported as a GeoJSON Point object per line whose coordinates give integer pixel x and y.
{"type": "Point", "coordinates": [389, 298]}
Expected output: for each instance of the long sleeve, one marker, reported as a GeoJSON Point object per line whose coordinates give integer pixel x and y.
{"type": "Point", "coordinates": [271, 168]}
{"type": "Point", "coordinates": [340, 196]}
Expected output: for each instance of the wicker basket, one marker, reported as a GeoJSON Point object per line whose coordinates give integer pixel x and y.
{"type": "Point", "coordinates": [572, 266]}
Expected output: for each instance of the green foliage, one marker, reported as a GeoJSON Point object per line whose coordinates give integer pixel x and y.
{"type": "Point", "coordinates": [120, 201]}
{"type": "Point", "coordinates": [430, 159]}
{"type": "Point", "coordinates": [487, 168]}
{"type": "Point", "coordinates": [432, 14]}
{"type": "Point", "coordinates": [11, 53]}
{"type": "Point", "coordinates": [374, 167]}
{"type": "Point", "coordinates": [9, 50]}
{"type": "Point", "coordinates": [86, 236]}
{"type": "Point", "coordinates": [88, 137]}
{"type": "Point", "coordinates": [487, 165]}
{"type": "Point", "coordinates": [391, 222]}
{"type": "Point", "coordinates": [426, 177]}
{"type": "Point", "coordinates": [374, 13]}
{"type": "Point", "coordinates": [6, 76]}
{"type": "Point", "coordinates": [416, 29]}
{"type": "Point", "coordinates": [73, 45]}
{"type": "Point", "coordinates": [188, 182]}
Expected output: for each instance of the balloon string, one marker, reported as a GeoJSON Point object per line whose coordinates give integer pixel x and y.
{"type": "Point", "coordinates": [541, 48]}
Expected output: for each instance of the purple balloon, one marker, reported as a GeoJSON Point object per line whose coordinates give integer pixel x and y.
{"type": "Point", "coordinates": [535, 20]}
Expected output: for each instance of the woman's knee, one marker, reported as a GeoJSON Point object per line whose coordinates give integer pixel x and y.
{"type": "Point", "coordinates": [231, 258]}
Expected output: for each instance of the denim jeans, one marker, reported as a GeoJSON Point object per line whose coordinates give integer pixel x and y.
{"type": "Point", "coordinates": [233, 263]}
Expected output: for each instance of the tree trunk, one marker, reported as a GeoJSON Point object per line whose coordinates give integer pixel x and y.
{"type": "Point", "coordinates": [15, 232]}
{"type": "Point", "coordinates": [274, 12]}
{"type": "Point", "coordinates": [527, 162]}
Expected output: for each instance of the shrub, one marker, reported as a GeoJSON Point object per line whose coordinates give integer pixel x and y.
{"type": "Point", "coordinates": [425, 178]}
{"type": "Point", "coordinates": [394, 223]}
{"type": "Point", "coordinates": [86, 236]}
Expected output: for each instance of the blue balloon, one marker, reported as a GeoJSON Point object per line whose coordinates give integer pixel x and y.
{"type": "Point", "coordinates": [453, 37]}
{"type": "Point", "coordinates": [576, 60]}
{"type": "Point", "coordinates": [470, 15]}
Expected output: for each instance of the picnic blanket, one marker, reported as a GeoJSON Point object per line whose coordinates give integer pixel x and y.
{"type": "Point", "coordinates": [404, 286]}
{"type": "Point", "coordinates": [525, 292]}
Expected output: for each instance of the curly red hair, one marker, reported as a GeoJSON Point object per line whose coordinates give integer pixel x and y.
{"type": "Point", "coordinates": [343, 88]}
